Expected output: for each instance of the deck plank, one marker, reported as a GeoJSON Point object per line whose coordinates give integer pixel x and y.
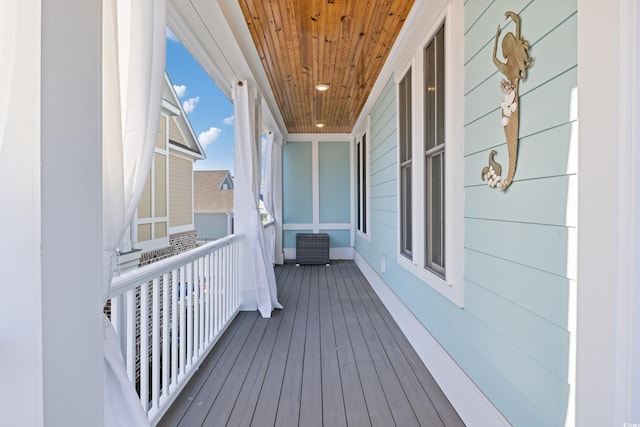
{"type": "Point", "coordinates": [269, 397]}
{"type": "Point", "coordinates": [332, 357]}
{"type": "Point", "coordinates": [333, 411]}
{"type": "Point", "coordinates": [311, 394]}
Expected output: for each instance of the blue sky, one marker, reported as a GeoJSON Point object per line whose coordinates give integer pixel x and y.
{"type": "Point", "coordinates": [209, 111]}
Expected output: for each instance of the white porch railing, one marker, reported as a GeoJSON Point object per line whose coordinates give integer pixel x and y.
{"type": "Point", "coordinates": [169, 314]}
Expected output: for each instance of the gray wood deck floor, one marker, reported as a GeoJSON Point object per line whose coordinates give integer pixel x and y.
{"type": "Point", "coordinates": [332, 357]}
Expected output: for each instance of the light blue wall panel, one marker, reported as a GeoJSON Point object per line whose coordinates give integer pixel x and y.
{"type": "Point", "coordinates": [338, 238]}
{"type": "Point", "coordinates": [289, 237]}
{"type": "Point", "coordinates": [297, 203]}
{"type": "Point", "coordinates": [334, 177]}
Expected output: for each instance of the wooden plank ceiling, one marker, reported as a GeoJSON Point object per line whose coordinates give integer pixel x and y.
{"type": "Point", "coordinates": [340, 43]}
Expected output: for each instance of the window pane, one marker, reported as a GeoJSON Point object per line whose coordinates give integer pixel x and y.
{"type": "Point", "coordinates": [358, 184]}
{"type": "Point", "coordinates": [364, 183]}
{"type": "Point", "coordinates": [439, 71]}
{"type": "Point", "coordinates": [405, 146]}
{"type": "Point", "coordinates": [405, 214]}
{"type": "Point", "coordinates": [430, 95]}
{"type": "Point", "coordinates": [405, 117]}
{"type": "Point", "coordinates": [436, 211]}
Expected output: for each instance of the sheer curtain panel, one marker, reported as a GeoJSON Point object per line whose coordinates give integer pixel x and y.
{"type": "Point", "coordinates": [133, 60]}
{"type": "Point", "coordinates": [246, 194]}
{"type": "Point", "coordinates": [8, 47]}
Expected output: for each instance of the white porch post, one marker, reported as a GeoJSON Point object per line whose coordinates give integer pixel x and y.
{"type": "Point", "coordinates": [277, 199]}
{"type": "Point", "coordinates": [50, 220]}
{"type": "Point", "coordinates": [608, 342]}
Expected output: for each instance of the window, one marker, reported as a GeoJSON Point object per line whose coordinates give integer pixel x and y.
{"type": "Point", "coordinates": [430, 164]}
{"type": "Point", "coordinates": [362, 185]}
{"type": "Point", "coordinates": [434, 141]}
{"type": "Point", "coordinates": [405, 135]}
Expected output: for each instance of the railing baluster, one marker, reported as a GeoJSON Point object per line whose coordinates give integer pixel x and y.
{"type": "Point", "coordinates": [131, 335]}
{"type": "Point", "coordinates": [144, 344]}
{"type": "Point", "coordinates": [183, 322]}
{"type": "Point", "coordinates": [189, 303]}
{"type": "Point", "coordinates": [196, 308]}
{"type": "Point", "coordinates": [165, 335]}
{"type": "Point", "coordinates": [201, 289]}
{"type": "Point", "coordinates": [207, 295]}
{"type": "Point", "coordinates": [174, 328]}
{"type": "Point", "coordinates": [155, 344]}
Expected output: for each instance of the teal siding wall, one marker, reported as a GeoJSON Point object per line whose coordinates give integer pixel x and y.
{"type": "Point", "coordinates": [334, 184]}
{"type": "Point", "coordinates": [330, 210]}
{"type": "Point", "coordinates": [511, 337]}
{"type": "Point", "coordinates": [297, 203]}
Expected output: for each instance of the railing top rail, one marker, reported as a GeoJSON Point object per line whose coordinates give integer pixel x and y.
{"type": "Point", "coordinates": [132, 279]}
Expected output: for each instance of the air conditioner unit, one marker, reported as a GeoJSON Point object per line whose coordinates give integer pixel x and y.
{"type": "Point", "coordinates": [312, 248]}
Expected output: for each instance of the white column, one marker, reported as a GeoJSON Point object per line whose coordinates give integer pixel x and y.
{"type": "Point", "coordinates": [608, 342]}
{"type": "Point", "coordinates": [50, 220]}
{"type": "Point", "coordinates": [277, 200]}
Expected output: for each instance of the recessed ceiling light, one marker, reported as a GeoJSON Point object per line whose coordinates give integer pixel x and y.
{"type": "Point", "coordinates": [319, 125]}
{"type": "Point", "coordinates": [322, 87]}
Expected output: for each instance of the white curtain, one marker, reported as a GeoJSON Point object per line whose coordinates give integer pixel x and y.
{"type": "Point", "coordinates": [272, 186]}
{"type": "Point", "coordinates": [247, 191]}
{"type": "Point", "coordinates": [9, 48]}
{"type": "Point", "coordinates": [133, 77]}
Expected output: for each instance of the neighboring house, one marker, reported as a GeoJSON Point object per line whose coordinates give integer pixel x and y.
{"type": "Point", "coordinates": [164, 224]}
{"type": "Point", "coordinates": [213, 204]}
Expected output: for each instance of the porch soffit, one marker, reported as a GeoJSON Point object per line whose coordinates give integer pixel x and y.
{"type": "Point", "coordinates": [340, 43]}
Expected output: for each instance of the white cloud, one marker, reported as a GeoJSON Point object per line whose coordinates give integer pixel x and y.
{"type": "Point", "coordinates": [207, 137]}
{"type": "Point", "coordinates": [180, 90]}
{"type": "Point", "coordinates": [190, 104]}
{"type": "Point", "coordinates": [171, 36]}
{"type": "Point", "coordinates": [228, 120]}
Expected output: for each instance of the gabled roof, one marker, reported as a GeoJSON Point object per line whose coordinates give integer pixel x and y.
{"type": "Point", "coordinates": [209, 195]}
{"type": "Point", "coordinates": [178, 118]}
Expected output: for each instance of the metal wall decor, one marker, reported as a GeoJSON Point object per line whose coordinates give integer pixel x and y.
{"type": "Point", "coordinates": [515, 50]}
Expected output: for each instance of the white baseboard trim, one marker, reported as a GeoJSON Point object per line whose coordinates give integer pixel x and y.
{"type": "Point", "coordinates": [334, 253]}
{"type": "Point", "coordinates": [472, 405]}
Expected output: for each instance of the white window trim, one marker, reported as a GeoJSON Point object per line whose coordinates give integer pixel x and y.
{"type": "Point", "coordinates": [367, 169]}
{"type": "Point", "coordinates": [452, 287]}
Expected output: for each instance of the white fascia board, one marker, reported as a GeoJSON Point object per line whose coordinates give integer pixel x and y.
{"type": "Point", "coordinates": [170, 109]}
{"type": "Point", "coordinates": [321, 137]}
{"type": "Point", "coordinates": [184, 153]}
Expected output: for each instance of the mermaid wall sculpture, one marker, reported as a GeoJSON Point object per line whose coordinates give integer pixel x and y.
{"type": "Point", "coordinates": [515, 50]}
